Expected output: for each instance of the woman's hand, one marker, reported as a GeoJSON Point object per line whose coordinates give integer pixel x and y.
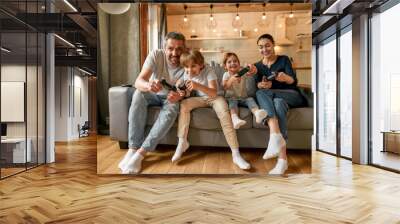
{"type": "Point", "coordinates": [283, 77]}
{"type": "Point", "coordinates": [264, 85]}
{"type": "Point", "coordinates": [252, 71]}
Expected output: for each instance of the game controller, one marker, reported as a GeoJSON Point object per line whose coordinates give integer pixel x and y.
{"type": "Point", "coordinates": [243, 71]}
{"type": "Point", "coordinates": [170, 87]}
{"type": "Point", "coordinates": [182, 86]}
{"type": "Point", "coordinates": [272, 76]}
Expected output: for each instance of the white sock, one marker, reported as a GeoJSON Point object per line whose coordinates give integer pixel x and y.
{"type": "Point", "coordinates": [239, 161]}
{"type": "Point", "coordinates": [134, 164]}
{"type": "Point", "coordinates": [280, 167]}
{"type": "Point", "coordinates": [275, 144]}
{"type": "Point", "coordinates": [126, 158]}
{"type": "Point", "coordinates": [237, 122]}
{"type": "Point", "coordinates": [182, 146]}
{"type": "Point", "coordinates": [260, 115]}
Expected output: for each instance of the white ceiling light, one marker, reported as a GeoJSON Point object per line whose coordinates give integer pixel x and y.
{"type": "Point", "coordinates": [84, 71]}
{"type": "Point", "coordinates": [65, 41]}
{"type": "Point", "coordinates": [5, 50]}
{"type": "Point", "coordinates": [338, 6]}
{"type": "Point", "coordinates": [70, 5]}
{"type": "Point", "coordinates": [115, 8]}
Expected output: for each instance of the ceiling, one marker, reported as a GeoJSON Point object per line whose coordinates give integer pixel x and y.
{"type": "Point", "coordinates": [81, 26]}
{"type": "Point", "coordinates": [326, 24]}
{"type": "Point", "coordinates": [77, 27]}
{"type": "Point", "coordinates": [202, 8]}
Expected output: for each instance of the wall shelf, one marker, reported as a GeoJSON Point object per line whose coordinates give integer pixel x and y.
{"type": "Point", "coordinates": [211, 51]}
{"type": "Point", "coordinates": [219, 38]}
{"type": "Point", "coordinates": [303, 50]}
{"type": "Point", "coordinates": [301, 67]}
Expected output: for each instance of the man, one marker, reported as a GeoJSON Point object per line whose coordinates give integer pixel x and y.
{"type": "Point", "coordinates": [159, 64]}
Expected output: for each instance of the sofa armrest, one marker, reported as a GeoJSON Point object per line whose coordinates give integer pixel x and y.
{"type": "Point", "coordinates": [119, 99]}
{"type": "Point", "coordinates": [306, 92]}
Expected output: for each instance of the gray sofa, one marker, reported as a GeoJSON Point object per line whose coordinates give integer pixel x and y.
{"type": "Point", "coordinates": [205, 129]}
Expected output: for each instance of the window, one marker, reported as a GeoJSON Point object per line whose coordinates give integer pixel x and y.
{"type": "Point", "coordinates": [385, 88]}
{"type": "Point", "coordinates": [327, 96]}
{"type": "Point", "coordinates": [346, 93]}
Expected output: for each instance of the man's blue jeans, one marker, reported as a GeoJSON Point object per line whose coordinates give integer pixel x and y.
{"type": "Point", "coordinates": [138, 116]}
{"type": "Point", "coordinates": [277, 102]}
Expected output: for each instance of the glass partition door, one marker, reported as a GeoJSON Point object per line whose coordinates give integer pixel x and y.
{"type": "Point", "coordinates": [22, 77]}
{"type": "Point", "coordinates": [326, 120]}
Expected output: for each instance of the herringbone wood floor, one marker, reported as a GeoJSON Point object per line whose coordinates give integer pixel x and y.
{"type": "Point", "coordinates": [70, 191]}
{"type": "Point", "coordinates": [197, 160]}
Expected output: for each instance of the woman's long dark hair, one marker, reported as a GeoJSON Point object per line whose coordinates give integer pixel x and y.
{"type": "Point", "coordinates": [266, 36]}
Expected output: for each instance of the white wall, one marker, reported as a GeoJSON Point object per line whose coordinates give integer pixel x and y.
{"type": "Point", "coordinates": [247, 49]}
{"type": "Point", "coordinates": [34, 125]}
{"type": "Point", "coordinates": [70, 83]}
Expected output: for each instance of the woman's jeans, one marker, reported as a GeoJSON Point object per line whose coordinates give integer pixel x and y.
{"type": "Point", "coordinates": [247, 102]}
{"type": "Point", "coordinates": [277, 103]}
{"type": "Point", "coordinates": [138, 116]}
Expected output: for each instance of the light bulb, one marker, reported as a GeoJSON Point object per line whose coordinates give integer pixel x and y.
{"type": "Point", "coordinates": [291, 15]}
{"type": "Point", "coordinates": [193, 31]}
{"type": "Point", "coordinates": [237, 17]}
{"type": "Point", "coordinates": [235, 29]}
{"type": "Point", "coordinates": [212, 23]}
{"type": "Point", "coordinates": [185, 19]}
{"type": "Point", "coordinates": [264, 16]}
{"type": "Point", "coordinates": [255, 29]}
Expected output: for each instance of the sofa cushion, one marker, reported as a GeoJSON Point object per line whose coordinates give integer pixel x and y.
{"type": "Point", "coordinates": [298, 119]}
{"type": "Point", "coordinates": [203, 118]}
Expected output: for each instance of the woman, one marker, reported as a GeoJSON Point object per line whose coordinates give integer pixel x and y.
{"type": "Point", "coordinates": [277, 91]}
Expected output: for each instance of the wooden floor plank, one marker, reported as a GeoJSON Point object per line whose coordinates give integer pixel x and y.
{"type": "Point", "coordinates": [196, 160]}
{"type": "Point", "coordinates": [70, 191]}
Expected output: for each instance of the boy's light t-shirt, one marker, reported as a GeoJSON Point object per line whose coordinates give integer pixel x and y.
{"type": "Point", "coordinates": [206, 74]}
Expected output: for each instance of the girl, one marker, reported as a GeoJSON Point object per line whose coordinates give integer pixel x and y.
{"type": "Point", "coordinates": [201, 83]}
{"type": "Point", "coordinates": [236, 91]}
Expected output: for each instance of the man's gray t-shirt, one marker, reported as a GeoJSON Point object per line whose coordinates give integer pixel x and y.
{"type": "Point", "coordinates": [156, 61]}
{"type": "Point", "coordinates": [206, 74]}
